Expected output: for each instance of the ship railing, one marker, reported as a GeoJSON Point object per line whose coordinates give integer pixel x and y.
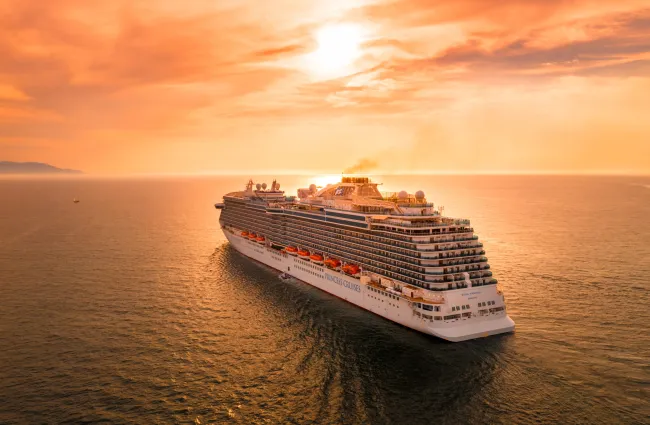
{"type": "Point", "coordinates": [368, 264]}
{"type": "Point", "coordinates": [452, 248]}
{"type": "Point", "coordinates": [363, 256]}
{"type": "Point", "coordinates": [393, 235]}
{"type": "Point", "coordinates": [406, 223]}
{"type": "Point", "coordinates": [415, 204]}
{"type": "Point", "coordinates": [448, 261]}
{"type": "Point", "coordinates": [416, 272]}
{"type": "Point", "coordinates": [336, 238]}
{"type": "Point", "coordinates": [442, 221]}
{"type": "Point", "coordinates": [384, 241]}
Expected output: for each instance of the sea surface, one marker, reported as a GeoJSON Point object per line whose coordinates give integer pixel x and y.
{"type": "Point", "coordinates": [131, 307]}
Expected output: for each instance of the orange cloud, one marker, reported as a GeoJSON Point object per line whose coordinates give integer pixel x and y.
{"type": "Point", "coordinates": [134, 86]}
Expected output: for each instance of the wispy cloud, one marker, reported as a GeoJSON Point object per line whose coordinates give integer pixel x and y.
{"type": "Point", "coordinates": [174, 85]}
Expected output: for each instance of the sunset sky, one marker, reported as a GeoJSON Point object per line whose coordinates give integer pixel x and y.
{"type": "Point", "coordinates": [169, 86]}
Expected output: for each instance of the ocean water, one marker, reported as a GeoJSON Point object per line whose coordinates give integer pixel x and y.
{"type": "Point", "coordinates": [131, 307]}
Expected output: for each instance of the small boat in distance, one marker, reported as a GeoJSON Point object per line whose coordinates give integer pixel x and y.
{"type": "Point", "coordinates": [75, 200]}
{"type": "Point", "coordinates": [285, 276]}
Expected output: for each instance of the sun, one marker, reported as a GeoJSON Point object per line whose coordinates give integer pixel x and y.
{"type": "Point", "coordinates": [339, 46]}
{"type": "Point", "coordinates": [325, 179]}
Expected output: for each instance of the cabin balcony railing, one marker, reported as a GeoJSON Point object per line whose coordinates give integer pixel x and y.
{"type": "Point", "coordinates": [415, 205]}
{"type": "Point", "coordinates": [391, 271]}
{"type": "Point", "coordinates": [371, 245]}
{"type": "Point", "coordinates": [271, 229]}
{"type": "Point", "coordinates": [451, 257]}
{"type": "Point", "coordinates": [451, 248]}
{"type": "Point", "coordinates": [455, 222]}
{"type": "Point", "coordinates": [390, 264]}
{"type": "Point", "coordinates": [383, 240]}
{"type": "Point", "coordinates": [366, 255]}
{"type": "Point", "coordinates": [409, 261]}
{"type": "Point", "coordinates": [410, 238]}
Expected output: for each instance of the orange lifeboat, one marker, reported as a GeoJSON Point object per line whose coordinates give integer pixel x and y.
{"type": "Point", "coordinates": [260, 239]}
{"type": "Point", "coordinates": [252, 235]}
{"type": "Point", "coordinates": [291, 250]}
{"type": "Point", "coordinates": [332, 263]}
{"type": "Point", "coordinates": [303, 254]}
{"type": "Point", "coordinates": [244, 234]}
{"type": "Point", "coordinates": [351, 269]}
{"type": "Point", "coordinates": [316, 258]}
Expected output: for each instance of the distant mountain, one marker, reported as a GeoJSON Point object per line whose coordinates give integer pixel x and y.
{"type": "Point", "coordinates": [8, 167]}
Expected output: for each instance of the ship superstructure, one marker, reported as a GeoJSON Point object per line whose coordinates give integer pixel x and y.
{"type": "Point", "coordinates": [391, 253]}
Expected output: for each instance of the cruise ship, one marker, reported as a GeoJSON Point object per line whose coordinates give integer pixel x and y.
{"type": "Point", "coordinates": [392, 254]}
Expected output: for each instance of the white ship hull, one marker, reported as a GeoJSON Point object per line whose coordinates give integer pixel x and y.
{"type": "Point", "coordinates": [395, 308]}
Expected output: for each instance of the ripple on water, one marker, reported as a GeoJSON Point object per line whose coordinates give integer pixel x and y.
{"type": "Point", "coordinates": [134, 306]}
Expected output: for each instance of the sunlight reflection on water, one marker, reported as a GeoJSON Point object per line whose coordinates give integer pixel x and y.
{"type": "Point", "coordinates": [131, 303]}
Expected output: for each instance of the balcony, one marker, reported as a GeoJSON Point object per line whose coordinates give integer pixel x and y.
{"type": "Point", "coordinates": [404, 223]}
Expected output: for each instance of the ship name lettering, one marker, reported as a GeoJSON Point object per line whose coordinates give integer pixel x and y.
{"type": "Point", "coordinates": [342, 282]}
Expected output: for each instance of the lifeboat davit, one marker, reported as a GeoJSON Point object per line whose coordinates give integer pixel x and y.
{"type": "Point", "coordinates": [303, 254]}
{"type": "Point", "coordinates": [244, 234]}
{"type": "Point", "coordinates": [351, 269]}
{"type": "Point", "coordinates": [316, 258]}
{"type": "Point", "coordinates": [332, 263]}
{"type": "Point", "coordinates": [260, 239]}
{"type": "Point", "coordinates": [291, 250]}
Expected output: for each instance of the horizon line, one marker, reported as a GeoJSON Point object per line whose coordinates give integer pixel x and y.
{"type": "Point", "coordinates": [586, 173]}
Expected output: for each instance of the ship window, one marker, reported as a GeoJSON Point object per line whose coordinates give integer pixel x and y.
{"type": "Point", "coordinates": [419, 305]}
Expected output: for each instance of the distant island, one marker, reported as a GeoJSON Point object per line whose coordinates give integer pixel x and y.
{"type": "Point", "coordinates": [8, 167]}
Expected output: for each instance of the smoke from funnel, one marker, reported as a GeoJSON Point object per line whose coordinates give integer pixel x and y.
{"type": "Point", "coordinates": [362, 166]}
